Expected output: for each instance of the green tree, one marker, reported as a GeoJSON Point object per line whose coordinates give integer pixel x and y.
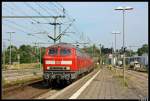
{"type": "Point", "coordinates": [143, 49]}
{"type": "Point", "coordinates": [43, 50]}
{"type": "Point", "coordinates": [25, 54]}
{"type": "Point", "coordinates": [14, 52]}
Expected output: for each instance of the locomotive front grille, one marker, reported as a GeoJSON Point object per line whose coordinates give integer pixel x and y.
{"type": "Point", "coordinates": [58, 68]}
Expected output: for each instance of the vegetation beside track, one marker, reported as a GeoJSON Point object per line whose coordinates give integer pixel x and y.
{"type": "Point", "coordinates": [6, 83]}
{"type": "Point", "coordinates": [119, 76]}
{"type": "Point", "coordinates": [22, 66]}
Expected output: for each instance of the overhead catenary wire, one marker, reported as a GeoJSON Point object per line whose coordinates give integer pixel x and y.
{"type": "Point", "coordinates": [34, 10]}
{"type": "Point", "coordinates": [47, 10]}
{"type": "Point", "coordinates": [22, 31]}
{"type": "Point", "coordinates": [42, 7]}
{"type": "Point", "coordinates": [60, 10]}
{"type": "Point", "coordinates": [21, 27]}
{"type": "Point", "coordinates": [27, 15]}
{"type": "Point", "coordinates": [69, 18]}
{"type": "Point", "coordinates": [19, 30]}
{"type": "Point", "coordinates": [24, 27]}
{"type": "Point", "coordinates": [20, 10]}
{"type": "Point", "coordinates": [56, 7]}
{"type": "Point", "coordinates": [15, 8]}
{"type": "Point", "coordinates": [18, 24]}
{"type": "Point", "coordinates": [47, 7]}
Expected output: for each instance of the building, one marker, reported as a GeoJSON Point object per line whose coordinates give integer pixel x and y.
{"type": "Point", "coordinates": [141, 59]}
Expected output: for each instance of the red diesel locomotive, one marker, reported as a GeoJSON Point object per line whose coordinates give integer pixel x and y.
{"type": "Point", "coordinates": [65, 62]}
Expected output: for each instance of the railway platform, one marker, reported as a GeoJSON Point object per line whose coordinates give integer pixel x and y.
{"type": "Point", "coordinates": [105, 85]}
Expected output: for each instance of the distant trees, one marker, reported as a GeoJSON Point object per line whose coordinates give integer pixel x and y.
{"type": "Point", "coordinates": [28, 54]}
{"type": "Point", "coordinates": [14, 52]}
{"type": "Point", "coordinates": [127, 51]}
{"type": "Point", "coordinates": [143, 49]}
{"type": "Point", "coordinates": [107, 50]}
{"type": "Point", "coordinates": [93, 50]}
{"type": "Point", "coordinates": [25, 54]}
{"type": "Point", "coordinates": [31, 54]}
{"type": "Point", "coordinates": [140, 51]}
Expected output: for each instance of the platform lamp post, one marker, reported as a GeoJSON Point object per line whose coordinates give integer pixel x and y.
{"type": "Point", "coordinates": [123, 9]}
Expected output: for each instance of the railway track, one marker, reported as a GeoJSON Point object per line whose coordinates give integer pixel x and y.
{"type": "Point", "coordinates": [137, 82]}
{"type": "Point", "coordinates": [28, 91]}
{"type": "Point", "coordinates": [16, 75]}
{"type": "Point", "coordinates": [13, 73]}
{"type": "Point", "coordinates": [18, 86]}
{"type": "Point", "coordinates": [138, 74]}
{"type": "Point", "coordinates": [142, 76]}
{"type": "Point", "coordinates": [32, 90]}
{"type": "Point", "coordinates": [139, 85]}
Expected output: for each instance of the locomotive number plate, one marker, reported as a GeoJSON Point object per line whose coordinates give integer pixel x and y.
{"type": "Point", "coordinates": [58, 62]}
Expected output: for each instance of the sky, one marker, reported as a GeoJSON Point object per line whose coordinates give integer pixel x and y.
{"type": "Point", "coordinates": [96, 20]}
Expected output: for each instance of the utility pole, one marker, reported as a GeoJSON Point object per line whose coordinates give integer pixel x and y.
{"type": "Point", "coordinates": [100, 54]}
{"type": "Point", "coordinates": [18, 56]}
{"type": "Point", "coordinates": [4, 54]}
{"type": "Point", "coordinates": [36, 51]}
{"type": "Point", "coordinates": [115, 53]}
{"type": "Point", "coordinates": [40, 57]}
{"type": "Point", "coordinates": [10, 48]}
{"type": "Point", "coordinates": [123, 9]}
{"type": "Point", "coordinates": [40, 50]}
{"type": "Point", "coordinates": [93, 50]}
{"type": "Point", "coordinates": [54, 38]}
{"type": "Point", "coordinates": [60, 32]}
{"type": "Point", "coordinates": [55, 18]}
{"type": "Point", "coordinates": [38, 46]}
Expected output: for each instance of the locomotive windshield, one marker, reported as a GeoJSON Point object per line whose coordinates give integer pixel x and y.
{"type": "Point", "coordinates": [52, 51]}
{"type": "Point", "coordinates": [65, 51]}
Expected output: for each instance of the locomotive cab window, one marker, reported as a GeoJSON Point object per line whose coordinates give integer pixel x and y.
{"type": "Point", "coordinates": [52, 51]}
{"type": "Point", "coordinates": [65, 51]}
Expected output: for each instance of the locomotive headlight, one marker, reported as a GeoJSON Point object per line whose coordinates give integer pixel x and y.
{"type": "Point", "coordinates": [66, 62]}
{"type": "Point", "coordinates": [67, 68]}
{"type": "Point", "coordinates": [49, 62]}
{"type": "Point", "coordinates": [48, 67]}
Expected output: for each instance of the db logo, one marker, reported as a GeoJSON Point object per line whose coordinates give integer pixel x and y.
{"type": "Point", "coordinates": [58, 62]}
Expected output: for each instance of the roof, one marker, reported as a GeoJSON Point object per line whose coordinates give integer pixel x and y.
{"type": "Point", "coordinates": [68, 45]}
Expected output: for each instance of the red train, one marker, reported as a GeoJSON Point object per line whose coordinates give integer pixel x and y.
{"type": "Point", "coordinates": [65, 62]}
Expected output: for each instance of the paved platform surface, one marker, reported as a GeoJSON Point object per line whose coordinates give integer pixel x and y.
{"type": "Point", "coordinates": [106, 86]}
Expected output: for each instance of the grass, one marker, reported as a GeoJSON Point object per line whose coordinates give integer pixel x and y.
{"type": "Point", "coordinates": [6, 83]}
{"type": "Point", "coordinates": [3, 81]}
{"type": "Point", "coordinates": [119, 78]}
{"type": "Point", "coordinates": [121, 81]}
{"type": "Point", "coordinates": [22, 66]}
